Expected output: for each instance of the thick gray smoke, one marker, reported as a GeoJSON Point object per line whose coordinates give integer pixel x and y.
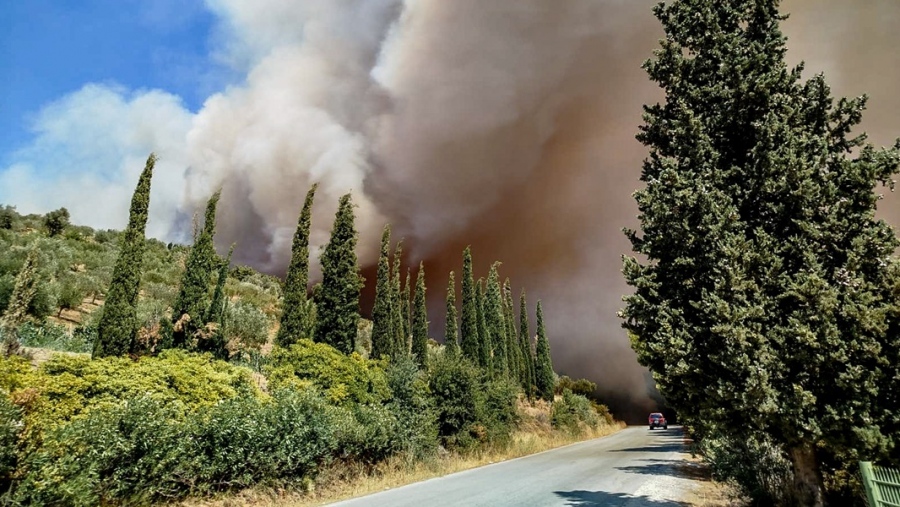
{"type": "Point", "coordinates": [505, 125]}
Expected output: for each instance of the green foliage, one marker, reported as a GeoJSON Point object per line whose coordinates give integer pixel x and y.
{"type": "Point", "coordinates": [413, 406]}
{"type": "Point", "coordinates": [768, 285]}
{"type": "Point", "coordinates": [451, 331]}
{"type": "Point", "coordinates": [295, 322]}
{"type": "Point", "coordinates": [495, 325]}
{"type": "Point", "coordinates": [485, 345]}
{"type": "Point", "coordinates": [455, 384]}
{"type": "Point", "coordinates": [470, 409]}
{"type": "Point", "coordinates": [544, 378]}
{"type": "Point", "coordinates": [10, 426]}
{"type": "Point", "coordinates": [244, 326]}
{"type": "Point", "coordinates": [214, 341]}
{"type": "Point", "coordinates": [116, 332]}
{"type": "Point", "coordinates": [420, 321]}
{"type": "Point", "coordinates": [382, 311]}
{"type": "Point", "coordinates": [470, 341]}
{"type": "Point", "coordinates": [56, 221]}
{"type": "Point", "coordinates": [572, 411]}
{"type": "Point", "coordinates": [8, 217]}
{"type": "Point", "coordinates": [71, 294]}
{"type": "Point", "coordinates": [337, 303]}
{"type": "Point", "coordinates": [516, 361]}
{"type": "Point", "coordinates": [525, 346]}
{"type": "Point", "coordinates": [15, 314]}
{"type": "Point", "coordinates": [54, 337]}
{"type": "Point", "coordinates": [141, 452]}
{"type": "Point", "coordinates": [193, 300]}
{"type": "Point", "coordinates": [401, 339]}
{"type": "Point", "coordinates": [344, 379]}
{"type": "Point", "coordinates": [583, 386]}
{"type": "Point", "coordinates": [68, 387]}
{"type": "Point", "coordinates": [755, 463]}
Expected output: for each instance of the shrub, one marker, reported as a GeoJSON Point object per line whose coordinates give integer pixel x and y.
{"type": "Point", "coordinates": [456, 389]}
{"type": "Point", "coordinates": [499, 415]}
{"type": "Point", "coordinates": [345, 379]}
{"type": "Point", "coordinates": [68, 387]}
{"type": "Point", "coordinates": [754, 463]}
{"type": "Point", "coordinates": [140, 452]}
{"type": "Point", "coordinates": [412, 405]}
{"type": "Point", "coordinates": [56, 221]}
{"type": "Point", "coordinates": [10, 427]}
{"type": "Point", "coordinates": [54, 337]}
{"type": "Point", "coordinates": [571, 411]}
{"type": "Point", "coordinates": [246, 326]}
{"type": "Point", "coordinates": [582, 386]}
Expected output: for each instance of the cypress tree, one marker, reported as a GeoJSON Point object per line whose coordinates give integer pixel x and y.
{"type": "Point", "coordinates": [118, 323]}
{"type": "Point", "coordinates": [24, 289]}
{"type": "Point", "coordinates": [470, 343]}
{"type": "Point", "coordinates": [401, 339]}
{"type": "Point", "coordinates": [544, 377]}
{"type": "Point", "coordinates": [485, 349]}
{"type": "Point", "coordinates": [525, 347]}
{"type": "Point", "coordinates": [763, 277]}
{"type": "Point", "coordinates": [494, 322]}
{"type": "Point", "coordinates": [192, 301]}
{"type": "Point", "coordinates": [338, 303]}
{"type": "Point", "coordinates": [420, 321]}
{"type": "Point", "coordinates": [295, 321]}
{"type": "Point", "coordinates": [451, 331]}
{"type": "Point", "coordinates": [382, 314]}
{"type": "Point", "coordinates": [215, 343]}
{"type": "Point", "coordinates": [512, 339]}
{"type": "Point", "coordinates": [405, 310]}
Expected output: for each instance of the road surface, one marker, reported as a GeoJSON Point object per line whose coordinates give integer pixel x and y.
{"type": "Point", "coordinates": [635, 467]}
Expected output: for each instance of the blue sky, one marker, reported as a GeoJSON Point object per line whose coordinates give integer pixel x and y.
{"type": "Point", "coordinates": [51, 48]}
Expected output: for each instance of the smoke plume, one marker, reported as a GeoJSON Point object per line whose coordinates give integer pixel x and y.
{"type": "Point", "coordinates": [508, 126]}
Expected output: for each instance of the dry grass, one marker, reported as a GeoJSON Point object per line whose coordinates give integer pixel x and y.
{"type": "Point", "coordinates": [343, 480]}
{"type": "Point", "coordinates": [710, 493]}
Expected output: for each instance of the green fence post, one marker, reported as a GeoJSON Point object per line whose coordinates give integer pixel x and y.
{"type": "Point", "coordinates": [868, 479]}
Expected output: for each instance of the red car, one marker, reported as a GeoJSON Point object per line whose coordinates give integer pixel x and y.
{"type": "Point", "coordinates": [657, 420]}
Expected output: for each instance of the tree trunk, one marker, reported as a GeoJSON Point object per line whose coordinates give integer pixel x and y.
{"type": "Point", "coordinates": [808, 486]}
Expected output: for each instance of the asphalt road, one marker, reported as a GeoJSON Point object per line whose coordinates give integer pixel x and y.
{"type": "Point", "coordinates": [635, 467]}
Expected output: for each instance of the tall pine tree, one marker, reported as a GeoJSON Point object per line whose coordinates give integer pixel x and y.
{"type": "Point", "coordinates": [118, 323]}
{"type": "Point", "coordinates": [544, 380]}
{"type": "Point", "coordinates": [451, 330]}
{"type": "Point", "coordinates": [470, 342]}
{"type": "Point", "coordinates": [420, 321]}
{"type": "Point", "coordinates": [192, 301]}
{"type": "Point", "coordinates": [295, 318]}
{"type": "Point", "coordinates": [767, 277]}
{"type": "Point", "coordinates": [337, 305]}
{"type": "Point", "coordinates": [382, 312]}
{"type": "Point", "coordinates": [494, 321]}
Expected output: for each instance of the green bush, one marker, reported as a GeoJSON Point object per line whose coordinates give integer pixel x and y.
{"type": "Point", "coordinates": [455, 385]}
{"type": "Point", "coordinates": [572, 411]}
{"type": "Point", "coordinates": [413, 406]}
{"type": "Point", "coordinates": [345, 379]}
{"type": "Point", "coordinates": [499, 415]}
{"type": "Point", "coordinates": [754, 463]}
{"type": "Point", "coordinates": [246, 326]}
{"type": "Point", "coordinates": [140, 452]}
{"type": "Point", "coordinates": [582, 386]}
{"type": "Point", "coordinates": [10, 427]}
{"type": "Point", "coordinates": [54, 337]}
{"type": "Point", "coordinates": [68, 387]}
